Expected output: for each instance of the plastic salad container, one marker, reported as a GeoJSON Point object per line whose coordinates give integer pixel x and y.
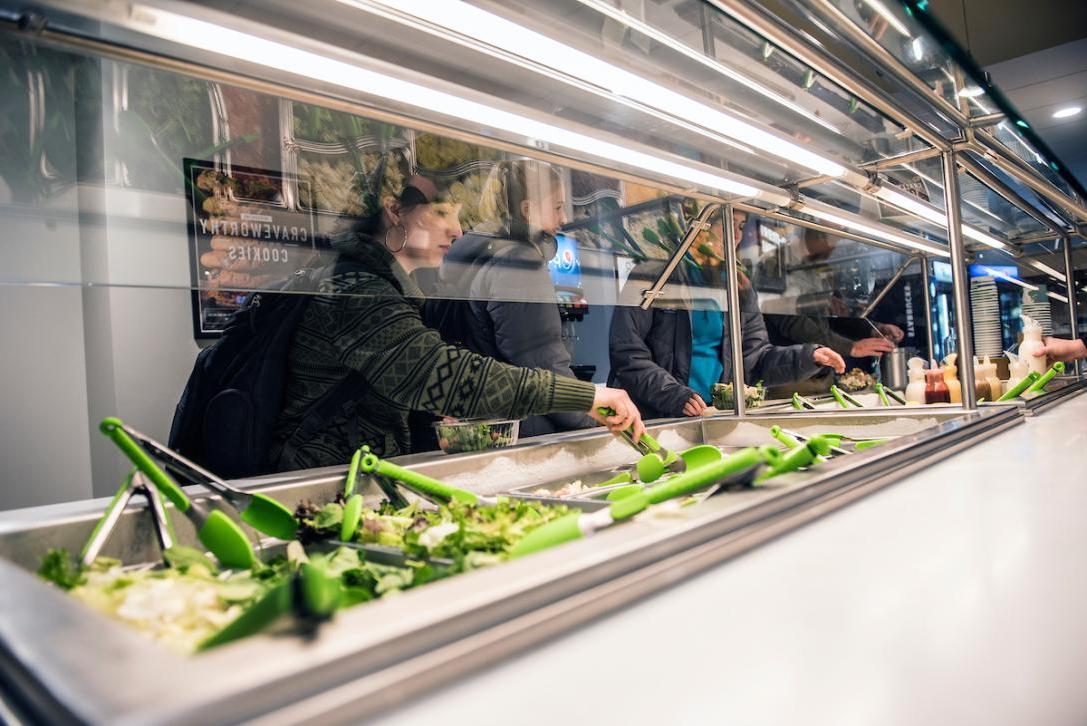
{"type": "Point", "coordinates": [459, 436]}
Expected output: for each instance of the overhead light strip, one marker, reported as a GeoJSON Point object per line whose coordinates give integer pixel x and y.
{"type": "Point", "coordinates": [250, 48]}
{"type": "Point", "coordinates": [1007, 278]}
{"type": "Point", "coordinates": [932, 214]}
{"type": "Point", "coordinates": [856, 223]}
{"type": "Point", "coordinates": [621, 16]}
{"type": "Point", "coordinates": [467, 20]}
{"type": "Point", "coordinates": [886, 14]}
{"type": "Point", "coordinates": [1043, 267]}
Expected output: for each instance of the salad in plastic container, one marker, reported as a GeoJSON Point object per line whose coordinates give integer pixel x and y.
{"type": "Point", "coordinates": [456, 437]}
{"type": "Point", "coordinates": [722, 395]}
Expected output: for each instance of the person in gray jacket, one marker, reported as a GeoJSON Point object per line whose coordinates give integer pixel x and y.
{"type": "Point", "coordinates": [494, 293]}
{"type": "Point", "coordinates": [668, 357]}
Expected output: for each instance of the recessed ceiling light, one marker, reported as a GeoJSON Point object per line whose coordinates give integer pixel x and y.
{"type": "Point", "coordinates": [1067, 111]}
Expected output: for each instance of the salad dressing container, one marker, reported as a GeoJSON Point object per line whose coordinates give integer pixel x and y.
{"type": "Point", "coordinates": [951, 378]}
{"type": "Point", "coordinates": [996, 388]}
{"type": "Point", "coordinates": [1032, 341]}
{"type": "Point", "coordinates": [1017, 367]}
{"type": "Point", "coordinates": [935, 388]}
{"type": "Point", "coordinates": [915, 391]}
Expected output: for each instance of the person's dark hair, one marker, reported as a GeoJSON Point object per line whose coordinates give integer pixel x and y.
{"type": "Point", "coordinates": [509, 185]}
{"type": "Point", "coordinates": [415, 190]}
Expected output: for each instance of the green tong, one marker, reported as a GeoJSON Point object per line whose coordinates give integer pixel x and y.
{"type": "Point", "coordinates": [310, 593]}
{"type": "Point", "coordinates": [582, 524]}
{"type": "Point", "coordinates": [655, 458]}
{"type": "Point", "coordinates": [352, 508]}
{"type": "Point", "coordinates": [134, 483]}
{"type": "Point", "coordinates": [800, 403]}
{"type": "Point", "coordinates": [421, 484]}
{"type": "Point", "coordinates": [1039, 385]}
{"type": "Point", "coordinates": [1021, 387]}
{"type": "Point", "coordinates": [218, 532]}
{"type": "Point", "coordinates": [844, 397]}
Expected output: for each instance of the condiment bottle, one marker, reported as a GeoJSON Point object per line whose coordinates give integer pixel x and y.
{"type": "Point", "coordinates": [1032, 341]}
{"type": "Point", "coordinates": [1017, 367]}
{"type": "Point", "coordinates": [935, 387]}
{"type": "Point", "coordinates": [981, 382]}
{"type": "Point", "coordinates": [915, 390]}
{"type": "Point", "coordinates": [995, 387]}
{"type": "Point", "coordinates": [951, 378]}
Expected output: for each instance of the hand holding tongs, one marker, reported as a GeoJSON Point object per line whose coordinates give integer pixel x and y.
{"type": "Point", "coordinates": [134, 483]}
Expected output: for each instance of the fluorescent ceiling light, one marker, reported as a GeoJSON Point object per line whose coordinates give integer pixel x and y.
{"type": "Point", "coordinates": [939, 185]}
{"type": "Point", "coordinates": [1047, 270]}
{"type": "Point", "coordinates": [854, 223]}
{"type": "Point", "coordinates": [971, 92]}
{"type": "Point", "coordinates": [1001, 276]}
{"type": "Point", "coordinates": [887, 15]}
{"type": "Point", "coordinates": [621, 16]}
{"type": "Point", "coordinates": [1056, 296]}
{"type": "Point", "coordinates": [484, 27]}
{"type": "Point", "coordinates": [934, 215]}
{"type": "Point", "coordinates": [254, 49]}
{"type": "Point", "coordinates": [1067, 111]}
{"type": "Point", "coordinates": [918, 48]}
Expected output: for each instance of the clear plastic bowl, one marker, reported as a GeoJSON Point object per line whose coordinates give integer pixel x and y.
{"type": "Point", "coordinates": [476, 435]}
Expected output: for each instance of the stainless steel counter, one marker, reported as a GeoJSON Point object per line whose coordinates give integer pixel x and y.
{"type": "Point", "coordinates": [956, 596]}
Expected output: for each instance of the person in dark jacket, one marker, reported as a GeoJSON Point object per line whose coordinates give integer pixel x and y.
{"type": "Point", "coordinates": [494, 293]}
{"type": "Point", "coordinates": [669, 357]}
{"type": "Point", "coordinates": [366, 321]}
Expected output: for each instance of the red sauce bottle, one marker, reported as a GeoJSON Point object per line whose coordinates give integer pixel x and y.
{"type": "Point", "coordinates": [936, 390]}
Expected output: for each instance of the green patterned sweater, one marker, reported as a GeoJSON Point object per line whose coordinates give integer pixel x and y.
{"type": "Point", "coordinates": [367, 319]}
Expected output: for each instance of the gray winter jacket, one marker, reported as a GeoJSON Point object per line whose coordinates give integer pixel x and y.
{"type": "Point", "coordinates": [495, 297]}
{"type": "Point", "coordinates": [650, 350]}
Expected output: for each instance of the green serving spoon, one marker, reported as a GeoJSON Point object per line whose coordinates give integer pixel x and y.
{"type": "Point", "coordinates": [800, 457]}
{"type": "Point", "coordinates": [218, 532]}
{"type": "Point", "coordinates": [582, 524]}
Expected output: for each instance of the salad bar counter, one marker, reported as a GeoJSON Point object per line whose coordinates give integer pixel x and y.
{"type": "Point", "coordinates": [475, 578]}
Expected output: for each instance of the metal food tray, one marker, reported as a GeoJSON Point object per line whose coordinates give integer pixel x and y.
{"type": "Point", "coordinates": [61, 661]}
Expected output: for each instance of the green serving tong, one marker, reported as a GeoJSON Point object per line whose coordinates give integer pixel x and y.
{"type": "Point", "coordinates": [423, 485]}
{"type": "Point", "coordinates": [135, 483]}
{"type": "Point", "coordinates": [583, 524]}
{"type": "Point", "coordinates": [218, 532]}
{"type": "Point", "coordinates": [802, 456]}
{"type": "Point", "coordinates": [844, 397]}
{"type": "Point", "coordinates": [1039, 385]}
{"type": "Point", "coordinates": [259, 511]}
{"type": "Point", "coordinates": [352, 508]}
{"type": "Point", "coordinates": [310, 593]}
{"type": "Point", "coordinates": [801, 402]}
{"type": "Point", "coordinates": [656, 459]}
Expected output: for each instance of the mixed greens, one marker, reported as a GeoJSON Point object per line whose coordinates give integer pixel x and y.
{"type": "Point", "coordinates": [723, 396]}
{"type": "Point", "coordinates": [191, 603]}
{"type": "Point", "coordinates": [456, 438]}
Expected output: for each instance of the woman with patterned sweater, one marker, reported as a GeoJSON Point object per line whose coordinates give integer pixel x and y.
{"type": "Point", "coordinates": [365, 324]}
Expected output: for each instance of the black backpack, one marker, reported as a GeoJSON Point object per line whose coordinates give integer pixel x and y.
{"type": "Point", "coordinates": [227, 413]}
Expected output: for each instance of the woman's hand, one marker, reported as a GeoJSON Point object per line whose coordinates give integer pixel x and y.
{"type": "Point", "coordinates": [626, 413]}
{"type": "Point", "coordinates": [830, 359]}
{"type": "Point", "coordinates": [694, 406]}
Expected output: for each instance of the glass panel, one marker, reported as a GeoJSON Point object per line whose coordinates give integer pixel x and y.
{"type": "Point", "coordinates": [150, 210]}
{"type": "Point", "coordinates": [816, 289]}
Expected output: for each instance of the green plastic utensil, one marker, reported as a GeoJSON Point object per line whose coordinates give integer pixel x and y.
{"type": "Point", "coordinates": [275, 603]}
{"type": "Point", "coordinates": [646, 445]}
{"type": "Point", "coordinates": [800, 403]}
{"type": "Point", "coordinates": [837, 393]}
{"type": "Point", "coordinates": [778, 433]}
{"type": "Point", "coordinates": [882, 393]}
{"type": "Point", "coordinates": [798, 458]}
{"type": "Point", "coordinates": [1039, 385]}
{"type": "Point", "coordinates": [626, 491]}
{"type": "Point", "coordinates": [869, 443]}
{"type": "Point", "coordinates": [582, 524]}
{"type": "Point", "coordinates": [352, 510]}
{"type": "Point", "coordinates": [259, 511]}
{"type": "Point", "coordinates": [420, 483]}
{"type": "Point", "coordinates": [218, 532]}
{"type": "Point", "coordinates": [317, 592]}
{"type": "Point", "coordinates": [1020, 388]}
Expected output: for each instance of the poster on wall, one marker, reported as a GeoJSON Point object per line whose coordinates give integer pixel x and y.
{"type": "Point", "coordinates": [242, 239]}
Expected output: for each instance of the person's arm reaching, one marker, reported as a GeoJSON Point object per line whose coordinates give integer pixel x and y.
{"type": "Point", "coordinates": [1060, 349]}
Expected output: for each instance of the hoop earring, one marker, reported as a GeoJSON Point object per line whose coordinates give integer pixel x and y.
{"type": "Point", "coordinates": [403, 239]}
